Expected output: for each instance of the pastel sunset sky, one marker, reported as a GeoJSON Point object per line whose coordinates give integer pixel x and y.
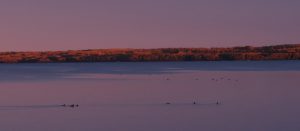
{"type": "Point", "coordinates": [87, 24]}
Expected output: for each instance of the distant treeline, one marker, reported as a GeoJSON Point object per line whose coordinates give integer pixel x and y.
{"type": "Point", "coordinates": [278, 52]}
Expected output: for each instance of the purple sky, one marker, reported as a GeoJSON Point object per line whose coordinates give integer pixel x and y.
{"type": "Point", "coordinates": [85, 24]}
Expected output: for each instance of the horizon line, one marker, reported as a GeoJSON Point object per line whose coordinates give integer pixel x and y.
{"type": "Point", "coordinates": [148, 48]}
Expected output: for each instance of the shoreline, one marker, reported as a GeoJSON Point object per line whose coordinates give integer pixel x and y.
{"type": "Point", "coordinates": [245, 53]}
{"type": "Point", "coordinates": [79, 62]}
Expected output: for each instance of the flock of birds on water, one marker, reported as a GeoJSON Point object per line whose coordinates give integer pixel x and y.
{"type": "Point", "coordinates": [216, 79]}
{"type": "Point", "coordinates": [213, 79]}
{"type": "Point", "coordinates": [167, 103]}
{"type": "Point", "coordinates": [194, 103]}
{"type": "Point", "coordinates": [72, 105]}
{"type": "Point", "coordinates": [223, 78]}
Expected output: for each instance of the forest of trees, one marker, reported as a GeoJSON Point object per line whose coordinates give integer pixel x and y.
{"type": "Point", "coordinates": [278, 52]}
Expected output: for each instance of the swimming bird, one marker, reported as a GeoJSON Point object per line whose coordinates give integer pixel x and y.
{"type": "Point", "coordinates": [194, 103]}
{"type": "Point", "coordinates": [168, 103]}
{"type": "Point", "coordinates": [72, 105]}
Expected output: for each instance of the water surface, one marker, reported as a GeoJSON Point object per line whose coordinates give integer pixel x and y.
{"type": "Point", "coordinates": [253, 96]}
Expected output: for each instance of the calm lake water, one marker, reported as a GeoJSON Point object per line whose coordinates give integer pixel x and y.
{"type": "Point", "coordinates": [253, 96]}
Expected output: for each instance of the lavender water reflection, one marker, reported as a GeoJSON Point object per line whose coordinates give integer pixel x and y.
{"type": "Point", "coordinates": [258, 96]}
